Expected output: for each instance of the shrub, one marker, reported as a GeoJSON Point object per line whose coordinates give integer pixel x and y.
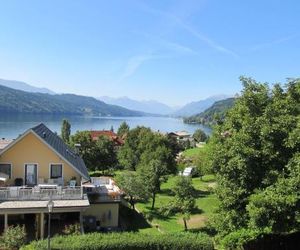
{"type": "Point", "coordinates": [72, 229]}
{"type": "Point", "coordinates": [128, 240]}
{"type": "Point", "coordinates": [13, 238]}
{"type": "Point", "coordinates": [236, 240]}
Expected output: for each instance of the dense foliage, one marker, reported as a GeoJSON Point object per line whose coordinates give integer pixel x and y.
{"type": "Point", "coordinates": [134, 187]}
{"type": "Point", "coordinates": [123, 129]}
{"type": "Point", "coordinates": [97, 155]}
{"type": "Point", "coordinates": [256, 160]}
{"type": "Point", "coordinates": [200, 136]}
{"type": "Point", "coordinates": [142, 144]}
{"type": "Point", "coordinates": [125, 241]}
{"type": "Point", "coordinates": [212, 115]}
{"type": "Point", "coordinates": [65, 131]}
{"type": "Point", "coordinates": [151, 154]}
{"type": "Point", "coordinates": [13, 238]}
{"type": "Point", "coordinates": [17, 101]}
{"type": "Point", "coordinates": [184, 199]}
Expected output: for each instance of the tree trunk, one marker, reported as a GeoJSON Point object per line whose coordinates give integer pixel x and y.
{"type": "Point", "coordinates": [185, 225]}
{"type": "Point", "coordinates": [153, 200]}
{"type": "Point", "coordinates": [132, 202]}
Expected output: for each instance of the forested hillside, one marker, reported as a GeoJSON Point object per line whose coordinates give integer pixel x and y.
{"type": "Point", "coordinates": [16, 101]}
{"type": "Point", "coordinates": [211, 115]}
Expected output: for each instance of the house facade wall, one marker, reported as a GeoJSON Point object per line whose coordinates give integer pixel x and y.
{"type": "Point", "coordinates": [31, 149]}
{"type": "Point", "coordinates": [101, 212]}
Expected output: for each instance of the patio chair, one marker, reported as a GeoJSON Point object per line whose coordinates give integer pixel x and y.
{"type": "Point", "coordinates": [72, 183]}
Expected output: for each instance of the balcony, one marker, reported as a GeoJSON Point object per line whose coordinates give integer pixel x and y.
{"type": "Point", "coordinates": [41, 192]}
{"type": "Point", "coordinates": [102, 190]}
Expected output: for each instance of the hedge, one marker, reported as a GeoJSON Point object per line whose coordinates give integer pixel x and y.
{"type": "Point", "coordinates": [247, 239]}
{"type": "Point", "coordinates": [236, 240]}
{"type": "Point", "coordinates": [127, 241]}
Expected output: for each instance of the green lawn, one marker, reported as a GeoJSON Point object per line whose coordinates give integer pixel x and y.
{"type": "Point", "coordinates": [191, 152]}
{"type": "Point", "coordinates": [206, 203]}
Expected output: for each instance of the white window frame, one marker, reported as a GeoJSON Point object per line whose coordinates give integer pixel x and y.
{"type": "Point", "coordinates": [37, 171]}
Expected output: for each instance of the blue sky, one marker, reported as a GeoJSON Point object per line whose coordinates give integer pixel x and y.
{"type": "Point", "coordinates": [170, 51]}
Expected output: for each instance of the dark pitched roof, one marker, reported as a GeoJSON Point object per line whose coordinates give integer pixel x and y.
{"type": "Point", "coordinates": [55, 142]}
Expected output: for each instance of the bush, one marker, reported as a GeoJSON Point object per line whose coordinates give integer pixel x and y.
{"type": "Point", "coordinates": [236, 240]}
{"type": "Point", "coordinates": [13, 238]}
{"type": "Point", "coordinates": [72, 229]}
{"type": "Point", "coordinates": [125, 241]}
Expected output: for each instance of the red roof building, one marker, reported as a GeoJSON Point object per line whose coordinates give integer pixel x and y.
{"type": "Point", "coordinates": [95, 134]}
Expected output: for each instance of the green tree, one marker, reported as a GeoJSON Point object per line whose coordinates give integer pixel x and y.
{"type": "Point", "coordinates": [184, 200]}
{"type": "Point", "coordinates": [14, 237]}
{"type": "Point", "coordinates": [276, 209]}
{"type": "Point", "coordinates": [65, 131]}
{"type": "Point", "coordinates": [123, 129]}
{"type": "Point", "coordinates": [252, 148]}
{"type": "Point", "coordinates": [105, 156]}
{"type": "Point", "coordinates": [200, 136]}
{"type": "Point", "coordinates": [174, 145]}
{"type": "Point", "coordinates": [87, 148]}
{"type": "Point", "coordinates": [153, 168]}
{"type": "Point", "coordinates": [151, 154]}
{"type": "Point", "coordinates": [133, 186]}
{"type": "Point", "coordinates": [129, 154]}
{"type": "Point", "coordinates": [203, 160]}
{"type": "Point", "coordinates": [142, 139]}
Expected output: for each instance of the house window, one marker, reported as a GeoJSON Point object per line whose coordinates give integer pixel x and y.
{"type": "Point", "coordinates": [5, 168]}
{"type": "Point", "coordinates": [55, 171]}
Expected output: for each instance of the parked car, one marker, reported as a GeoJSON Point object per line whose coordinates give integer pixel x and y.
{"type": "Point", "coordinates": [189, 171]}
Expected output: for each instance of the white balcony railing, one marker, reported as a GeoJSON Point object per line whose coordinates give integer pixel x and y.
{"type": "Point", "coordinates": [37, 193]}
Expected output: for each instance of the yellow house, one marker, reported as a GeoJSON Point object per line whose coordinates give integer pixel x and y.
{"type": "Point", "coordinates": [37, 167]}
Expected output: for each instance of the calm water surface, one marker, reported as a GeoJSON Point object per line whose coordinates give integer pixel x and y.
{"type": "Point", "coordinates": [13, 125]}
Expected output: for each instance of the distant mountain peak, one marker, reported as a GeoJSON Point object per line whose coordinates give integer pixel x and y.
{"type": "Point", "coordinates": [25, 87]}
{"type": "Point", "coordinates": [13, 100]}
{"type": "Point", "coordinates": [196, 107]}
{"type": "Point", "coordinates": [147, 106]}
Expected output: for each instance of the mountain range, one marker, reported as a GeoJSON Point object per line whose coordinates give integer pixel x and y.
{"type": "Point", "coordinates": [148, 106]}
{"type": "Point", "coordinates": [104, 105]}
{"type": "Point", "coordinates": [210, 116]}
{"type": "Point", "coordinates": [18, 101]}
{"type": "Point", "coordinates": [197, 107]}
{"type": "Point", "coordinates": [24, 87]}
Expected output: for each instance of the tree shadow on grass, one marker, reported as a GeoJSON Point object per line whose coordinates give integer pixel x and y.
{"type": "Point", "coordinates": [156, 213]}
{"type": "Point", "coordinates": [201, 193]}
{"type": "Point", "coordinates": [167, 192]}
{"type": "Point", "coordinates": [207, 230]}
{"type": "Point", "coordinates": [208, 181]}
{"type": "Point", "coordinates": [197, 210]}
{"type": "Point", "coordinates": [132, 220]}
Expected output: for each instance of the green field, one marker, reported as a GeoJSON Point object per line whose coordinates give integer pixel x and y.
{"type": "Point", "coordinates": [191, 152]}
{"type": "Point", "coordinates": [206, 203]}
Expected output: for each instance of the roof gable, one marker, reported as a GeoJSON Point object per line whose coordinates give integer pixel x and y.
{"type": "Point", "coordinates": [61, 148]}
{"type": "Point", "coordinates": [57, 145]}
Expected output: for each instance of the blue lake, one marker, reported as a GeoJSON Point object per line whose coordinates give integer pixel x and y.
{"type": "Point", "coordinates": [13, 125]}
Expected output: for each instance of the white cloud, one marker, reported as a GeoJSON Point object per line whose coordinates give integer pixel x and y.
{"type": "Point", "coordinates": [271, 43]}
{"type": "Point", "coordinates": [182, 24]}
{"type": "Point", "coordinates": [133, 63]}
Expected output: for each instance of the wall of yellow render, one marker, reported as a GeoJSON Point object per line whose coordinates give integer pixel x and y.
{"type": "Point", "coordinates": [101, 212]}
{"type": "Point", "coordinates": [31, 149]}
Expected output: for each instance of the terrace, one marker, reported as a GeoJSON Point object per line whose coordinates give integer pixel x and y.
{"type": "Point", "coordinates": [41, 192]}
{"type": "Point", "coordinates": [99, 189]}
{"type": "Point", "coordinates": [102, 189]}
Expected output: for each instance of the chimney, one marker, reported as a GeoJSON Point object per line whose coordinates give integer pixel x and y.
{"type": "Point", "coordinates": [77, 147]}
